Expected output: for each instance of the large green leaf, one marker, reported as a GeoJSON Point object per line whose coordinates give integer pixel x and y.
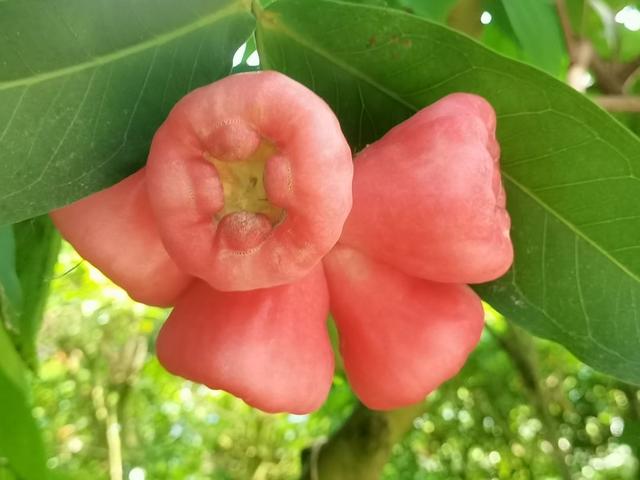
{"type": "Point", "coordinates": [6, 474]}
{"type": "Point", "coordinates": [20, 440]}
{"type": "Point", "coordinates": [571, 171]}
{"type": "Point", "coordinates": [10, 291]}
{"type": "Point", "coordinates": [437, 11]}
{"type": "Point", "coordinates": [21, 449]}
{"type": "Point", "coordinates": [84, 85]}
{"type": "Point", "coordinates": [37, 246]}
{"type": "Point", "coordinates": [11, 364]}
{"type": "Point", "coordinates": [535, 24]}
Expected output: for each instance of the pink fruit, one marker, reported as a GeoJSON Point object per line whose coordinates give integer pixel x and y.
{"type": "Point", "coordinates": [400, 336]}
{"type": "Point", "coordinates": [428, 197]}
{"type": "Point", "coordinates": [250, 181]}
{"type": "Point", "coordinates": [116, 231]}
{"type": "Point", "coordinates": [247, 187]}
{"type": "Point", "coordinates": [269, 347]}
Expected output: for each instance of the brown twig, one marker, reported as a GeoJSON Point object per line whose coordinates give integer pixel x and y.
{"type": "Point", "coordinates": [565, 23]}
{"type": "Point", "coordinates": [612, 77]}
{"type": "Point", "coordinates": [580, 51]}
{"type": "Point", "coordinates": [619, 103]}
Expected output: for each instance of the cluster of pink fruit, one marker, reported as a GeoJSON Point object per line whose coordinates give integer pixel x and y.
{"type": "Point", "coordinates": [252, 220]}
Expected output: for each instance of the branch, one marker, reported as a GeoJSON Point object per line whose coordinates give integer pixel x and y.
{"type": "Point", "coordinates": [565, 23]}
{"type": "Point", "coordinates": [362, 446]}
{"type": "Point", "coordinates": [107, 414]}
{"type": "Point", "coordinates": [613, 77]}
{"type": "Point", "coordinates": [521, 350]}
{"type": "Point", "coordinates": [619, 103]}
{"type": "Point", "coordinates": [630, 69]}
{"type": "Point", "coordinates": [465, 16]}
{"type": "Point", "coordinates": [606, 77]}
{"type": "Point", "coordinates": [581, 52]}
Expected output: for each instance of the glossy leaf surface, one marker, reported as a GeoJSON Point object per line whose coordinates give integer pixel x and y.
{"type": "Point", "coordinates": [572, 172]}
{"type": "Point", "coordinates": [84, 86]}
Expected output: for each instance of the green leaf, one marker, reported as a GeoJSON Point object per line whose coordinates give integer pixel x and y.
{"type": "Point", "coordinates": [631, 435]}
{"type": "Point", "coordinates": [436, 11]}
{"type": "Point", "coordinates": [10, 291]}
{"type": "Point", "coordinates": [20, 440]}
{"type": "Point", "coordinates": [5, 473]}
{"type": "Point", "coordinates": [249, 49]}
{"type": "Point", "coordinates": [499, 35]}
{"type": "Point", "coordinates": [571, 171]}
{"type": "Point", "coordinates": [11, 365]}
{"type": "Point", "coordinates": [535, 24]}
{"type": "Point", "coordinates": [38, 244]}
{"type": "Point", "coordinates": [84, 86]}
{"type": "Point", "coordinates": [433, 10]}
{"type": "Point", "coordinates": [334, 336]}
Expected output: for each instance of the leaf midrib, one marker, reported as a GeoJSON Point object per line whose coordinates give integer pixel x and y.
{"type": "Point", "coordinates": [343, 65]}
{"type": "Point", "coordinates": [235, 7]}
{"type": "Point", "coordinates": [570, 226]}
{"type": "Point", "coordinates": [357, 73]}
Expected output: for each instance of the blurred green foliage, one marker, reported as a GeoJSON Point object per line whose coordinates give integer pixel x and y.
{"type": "Point", "coordinates": [98, 372]}
{"type": "Point", "coordinates": [487, 423]}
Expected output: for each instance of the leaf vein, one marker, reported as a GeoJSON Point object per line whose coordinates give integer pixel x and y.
{"type": "Point", "coordinates": [54, 154]}
{"type": "Point", "coordinates": [13, 113]}
{"type": "Point", "coordinates": [584, 182]}
{"type": "Point", "coordinates": [570, 226]}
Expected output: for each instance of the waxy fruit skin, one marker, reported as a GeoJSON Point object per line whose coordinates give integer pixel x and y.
{"type": "Point", "coordinates": [269, 347]}
{"type": "Point", "coordinates": [428, 197]}
{"type": "Point", "coordinates": [116, 231]}
{"type": "Point", "coordinates": [400, 336]}
{"type": "Point", "coordinates": [308, 175]}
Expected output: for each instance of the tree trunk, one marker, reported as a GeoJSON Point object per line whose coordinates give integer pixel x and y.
{"type": "Point", "coordinates": [362, 446]}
